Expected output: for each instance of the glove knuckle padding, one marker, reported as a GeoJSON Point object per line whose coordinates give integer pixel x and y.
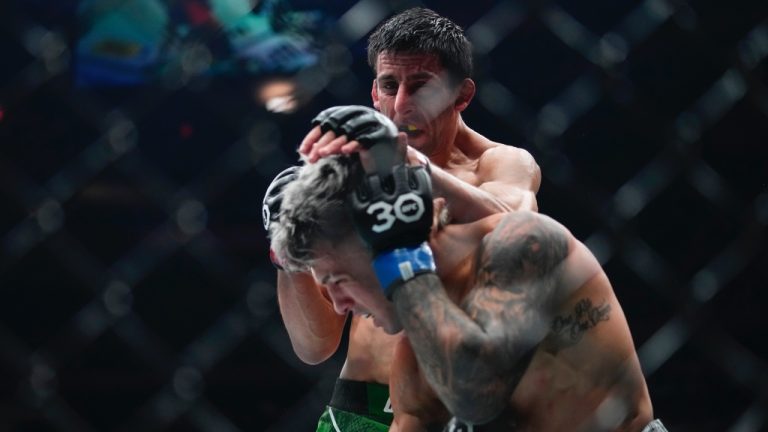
{"type": "Point", "coordinates": [359, 123]}
{"type": "Point", "coordinates": [322, 118]}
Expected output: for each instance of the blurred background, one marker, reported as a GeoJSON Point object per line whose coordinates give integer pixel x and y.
{"type": "Point", "coordinates": [137, 138]}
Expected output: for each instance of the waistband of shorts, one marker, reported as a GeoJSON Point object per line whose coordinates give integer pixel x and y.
{"type": "Point", "coordinates": [655, 426]}
{"type": "Point", "coordinates": [362, 398]}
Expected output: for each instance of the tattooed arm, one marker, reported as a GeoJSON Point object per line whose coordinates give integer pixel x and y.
{"type": "Point", "coordinates": [474, 355]}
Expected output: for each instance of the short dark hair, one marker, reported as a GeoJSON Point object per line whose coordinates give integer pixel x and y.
{"type": "Point", "coordinates": [423, 31]}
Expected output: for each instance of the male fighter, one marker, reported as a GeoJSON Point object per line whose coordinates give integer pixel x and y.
{"type": "Point", "coordinates": [422, 64]}
{"type": "Point", "coordinates": [510, 322]}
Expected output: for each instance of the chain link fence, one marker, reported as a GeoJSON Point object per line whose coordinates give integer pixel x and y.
{"type": "Point", "coordinates": [135, 289]}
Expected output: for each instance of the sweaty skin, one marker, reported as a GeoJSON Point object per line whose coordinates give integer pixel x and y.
{"type": "Point", "coordinates": [369, 351]}
{"type": "Point", "coordinates": [467, 180]}
{"type": "Point", "coordinates": [476, 176]}
{"type": "Point", "coordinates": [547, 353]}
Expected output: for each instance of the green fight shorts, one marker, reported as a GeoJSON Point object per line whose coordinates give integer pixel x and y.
{"type": "Point", "coordinates": [357, 407]}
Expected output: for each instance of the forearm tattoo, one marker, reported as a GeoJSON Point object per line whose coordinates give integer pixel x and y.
{"type": "Point", "coordinates": [474, 355]}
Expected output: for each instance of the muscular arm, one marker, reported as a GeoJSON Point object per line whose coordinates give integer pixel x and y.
{"type": "Point", "coordinates": [313, 326]}
{"type": "Point", "coordinates": [508, 180]}
{"type": "Point", "coordinates": [508, 177]}
{"type": "Point", "coordinates": [473, 355]}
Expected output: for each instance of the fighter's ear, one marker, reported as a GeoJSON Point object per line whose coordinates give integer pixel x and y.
{"type": "Point", "coordinates": [439, 215]}
{"type": "Point", "coordinates": [375, 95]}
{"type": "Point", "coordinates": [466, 93]}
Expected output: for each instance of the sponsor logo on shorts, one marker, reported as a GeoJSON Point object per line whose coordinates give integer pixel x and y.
{"type": "Point", "coordinates": [388, 406]}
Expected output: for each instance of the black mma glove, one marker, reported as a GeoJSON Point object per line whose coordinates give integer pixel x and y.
{"type": "Point", "coordinates": [393, 215]}
{"type": "Point", "coordinates": [270, 208]}
{"type": "Point", "coordinates": [372, 129]}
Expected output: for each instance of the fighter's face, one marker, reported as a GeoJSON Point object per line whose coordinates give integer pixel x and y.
{"type": "Point", "coordinates": [414, 91]}
{"type": "Point", "coordinates": [346, 272]}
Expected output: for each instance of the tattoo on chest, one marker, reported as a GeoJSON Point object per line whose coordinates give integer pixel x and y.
{"type": "Point", "coordinates": [568, 330]}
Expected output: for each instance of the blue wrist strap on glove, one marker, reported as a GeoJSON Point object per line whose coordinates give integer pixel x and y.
{"type": "Point", "coordinates": [401, 264]}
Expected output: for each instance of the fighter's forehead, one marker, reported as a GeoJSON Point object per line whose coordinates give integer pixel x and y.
{"type": "Point", "coordinates": [329, 256]}
{"type": "Point", "coordinates": [324, 263]}
{"type": "Point", "coordinates": [329, 266]}
{"type": "Point", "coordinates": [407, 65]}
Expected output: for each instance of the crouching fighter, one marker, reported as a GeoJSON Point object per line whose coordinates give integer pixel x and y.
{"type": "Point", "coordinates": [510, 322]}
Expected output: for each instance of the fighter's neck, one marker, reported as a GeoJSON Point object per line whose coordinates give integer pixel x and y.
{"type": "Point", "coordinates": [463, 145]}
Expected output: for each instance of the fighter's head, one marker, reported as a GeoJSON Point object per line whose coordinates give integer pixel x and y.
{"type": "Point", "coordinates": [313, 210]}
{"type": "Point", "coordinates": [422, 31]}
{"type": "Point", "coordinates": [422, 62]}
{"type": "Point", "coordinates": [315, 233]}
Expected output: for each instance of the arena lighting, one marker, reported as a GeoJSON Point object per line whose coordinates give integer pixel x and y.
{"type": "Point", "coordinates": [278, 95]}
{"type": "Point", "coordinates": [145, 42]}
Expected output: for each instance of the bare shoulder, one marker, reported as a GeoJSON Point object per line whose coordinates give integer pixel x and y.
{"type": "Point", "coordinates": [517, 274]}
{"type": "Point", "coordinates": [519, 223]}
{"type": "Point", "coordinates": [524, 250]}
{"type": "Point", "coordinates": [506, 161]}
{"type": "Point", "coordinates": [507, 154]}
{"type": "Point", "coordinates": [525, 244]}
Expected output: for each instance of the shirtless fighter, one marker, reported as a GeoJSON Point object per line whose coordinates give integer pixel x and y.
{"type": "Point", "coordinates": [510, 323]}
{"type": "Point", "coordinates": [422, 64]}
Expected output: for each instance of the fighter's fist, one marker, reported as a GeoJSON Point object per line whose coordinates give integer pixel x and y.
{"type": "Point", "coordinates": [394, 211]}
{"type": "Point", "coordinates": [393, 215]}
{"type": "Point", "coordinates": [359, 123]}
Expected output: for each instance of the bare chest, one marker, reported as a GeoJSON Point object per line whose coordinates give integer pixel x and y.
{"type": "Point", "coordinates": [370, 352]}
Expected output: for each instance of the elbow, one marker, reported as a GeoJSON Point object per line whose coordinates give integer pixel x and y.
{"type": "Point", "coordinates": [317, 351]}
{"type": "Point", "coordinates": [314, 356]}
{"type": "Point", "coordinates": [479, 391]}
{"type": "Point", "coordinates": [311, 358]}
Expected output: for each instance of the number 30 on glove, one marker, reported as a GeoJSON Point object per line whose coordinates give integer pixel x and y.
{"type": "Point", "coordinates": [393, 215]}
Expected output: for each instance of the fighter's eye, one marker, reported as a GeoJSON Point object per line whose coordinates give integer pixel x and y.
{"type": "Point", "coordinates": [388, 85]}
{"type": "Point", "coordinates": [338, 281]}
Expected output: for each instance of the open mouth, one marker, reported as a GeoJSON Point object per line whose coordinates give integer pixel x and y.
{"type": "Point", "coordinates": [410, 130]}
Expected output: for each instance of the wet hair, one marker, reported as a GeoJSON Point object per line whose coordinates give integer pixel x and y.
{"type": "Point", "coordinates": [423, 31]}
{"type": "Point", "coordinates": [313, 209]}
